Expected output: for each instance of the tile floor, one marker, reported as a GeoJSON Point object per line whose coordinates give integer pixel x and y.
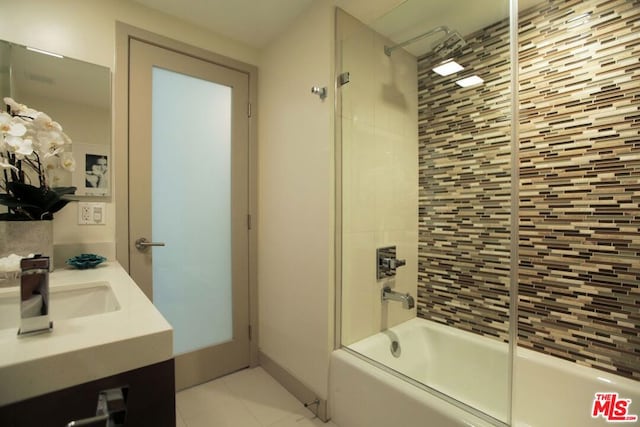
{"type": "Point", "coordinates": [248, 398]}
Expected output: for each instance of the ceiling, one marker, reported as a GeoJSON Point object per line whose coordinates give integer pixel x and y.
{"type": "Point", "coordinates": [258, 22]}
{"type": "Point", "coordinates": [253, 22]}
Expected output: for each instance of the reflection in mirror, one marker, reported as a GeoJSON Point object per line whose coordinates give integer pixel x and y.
{"type": "Point", "coordinates": [74, 93]}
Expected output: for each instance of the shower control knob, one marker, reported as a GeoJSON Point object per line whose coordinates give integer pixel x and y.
{"type": "Point", "coordinates": [398, 262]}
{"type": "Point", "coordinates": [387, 263]}
{"type": "Point", "coordinates": [393, 263]}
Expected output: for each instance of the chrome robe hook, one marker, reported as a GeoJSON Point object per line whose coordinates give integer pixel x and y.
{"type": "Point", "coordinates": [320, 91]}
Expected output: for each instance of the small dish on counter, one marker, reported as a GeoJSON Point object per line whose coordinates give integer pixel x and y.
{"type": "Point", "coordinates": [84, 261]}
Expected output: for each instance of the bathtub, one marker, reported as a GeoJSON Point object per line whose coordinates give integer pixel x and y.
{"type": "Point", "coordinates": [467, 368]}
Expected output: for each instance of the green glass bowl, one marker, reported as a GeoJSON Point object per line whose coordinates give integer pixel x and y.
{"type": "Point", "coordinates": [85, 261]}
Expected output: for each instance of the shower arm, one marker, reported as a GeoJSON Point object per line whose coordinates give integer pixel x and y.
{"type": "Point", "coordinates": [389, 49]}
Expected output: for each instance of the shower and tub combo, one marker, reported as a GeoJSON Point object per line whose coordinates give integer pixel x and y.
{"type": "Point", "coordinates": [445, 369]}
{"type": "Point", "coordinates": [487, 269]}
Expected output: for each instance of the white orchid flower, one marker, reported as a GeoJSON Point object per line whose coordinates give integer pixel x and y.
{"type": "Point", "coordinates": [52, 152]}
{"type": "Point", "coordinates": [11, 103]}
{"type": "Point", "coordinates": [19, 146]}
{"type": "Point", "coordinates": [49, 143]}
{"type": "Point", "coordinates": [50, 130]}
{"type": "Point", "coordinates": [44, 122]}
{"type": "Point", "coordinates": [32, 143]}
{"type": "Point", "coordinates": [10, 126]}
{"type": "Point", "coordinates": [20, 109]}
{"type": "Point", "coordinates": [68, 162]}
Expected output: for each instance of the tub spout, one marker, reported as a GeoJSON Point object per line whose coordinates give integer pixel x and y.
{"type": "Point", "coordinates": [406, 299]}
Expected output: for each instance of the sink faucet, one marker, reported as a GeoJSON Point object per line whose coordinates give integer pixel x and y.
{"type": "Point", "coordinates": [406, 299]}
{"type": "Point", "coordinates": [34, 296]}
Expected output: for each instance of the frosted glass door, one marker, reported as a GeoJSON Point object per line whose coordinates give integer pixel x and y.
{"type": "Point", "coordinates": [189, 189]}
{"type": "Point", "coordinates": [191, 208]}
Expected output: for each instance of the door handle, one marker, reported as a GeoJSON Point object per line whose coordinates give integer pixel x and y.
{"type": "Point", "coordinates": [89, 421]}
{"type": "Point", "coordinates": [111, 409]}
{"type": "Point", "coordinates": [142, 244]}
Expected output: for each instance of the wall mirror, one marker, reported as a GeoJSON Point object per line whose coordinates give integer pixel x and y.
{"type": "Point", "coordinates": [77, 95]}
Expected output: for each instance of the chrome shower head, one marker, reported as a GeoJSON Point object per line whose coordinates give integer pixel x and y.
{"type": "Point", "coordinates": [448, 45]}
{"type": "Point", "coordinates": [451, 42]}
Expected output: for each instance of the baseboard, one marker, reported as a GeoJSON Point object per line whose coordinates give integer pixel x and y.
{"type": "Point", "coordinates": [294, 386]}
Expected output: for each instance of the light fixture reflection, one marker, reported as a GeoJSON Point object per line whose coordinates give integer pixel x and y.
{"type": "Point", "coordinates": [447, 67]}
{"type": "Point", "coordinates": [470, 81]}
{"type": "Point", "coordinates": [33, 49]}
{"type": "Point", "coordinates": [578, 17]}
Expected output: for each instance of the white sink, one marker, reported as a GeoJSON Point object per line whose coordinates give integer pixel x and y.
{"type": "Point", "coordinates": [66, 302]}
{"type": "Point", "coordinates": [99, 314]}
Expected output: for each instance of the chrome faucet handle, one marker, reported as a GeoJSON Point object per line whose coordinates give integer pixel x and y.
{"type": "Point", "coordinates": [34, 296]}
{"type": "Point", "coordinates": [387, 262]}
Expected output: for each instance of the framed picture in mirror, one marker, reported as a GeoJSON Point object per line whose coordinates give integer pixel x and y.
{"type": "Point", "coordinates": [93, 169]}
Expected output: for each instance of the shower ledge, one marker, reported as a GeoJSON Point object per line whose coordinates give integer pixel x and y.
{"type": "Point", "coordinates": [82, 349]}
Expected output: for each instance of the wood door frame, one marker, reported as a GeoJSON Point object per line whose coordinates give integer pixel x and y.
{"type": "Point", "coordinates": [124, 33]}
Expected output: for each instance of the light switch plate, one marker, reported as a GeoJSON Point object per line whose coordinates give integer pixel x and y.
{"type": "Point", "coordinates": [91, 213]}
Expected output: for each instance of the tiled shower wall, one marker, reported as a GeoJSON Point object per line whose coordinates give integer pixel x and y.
{"type": "Point", "coordinates": [579, 266]}
{"type": "Point", "coordinates": [579, 192]}
{"type": "Point", "coordinates": [465, 187]}
{"type": "Point", "coordinates": [378, 115]}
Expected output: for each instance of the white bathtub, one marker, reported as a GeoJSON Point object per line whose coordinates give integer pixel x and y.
{"type": "Point", "coordinates": [548, 391]}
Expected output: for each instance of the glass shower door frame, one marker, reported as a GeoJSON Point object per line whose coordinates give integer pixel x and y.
{"type": "Point", "coordinates": [513, 220]}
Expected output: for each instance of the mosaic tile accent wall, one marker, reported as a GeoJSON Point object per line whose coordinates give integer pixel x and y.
{"type": "Point", "coordinates": [579, 204]}
{"type": "Point", "coordinates": [464, 189]}
{"type": "Point", "coordinates": [579, 267]}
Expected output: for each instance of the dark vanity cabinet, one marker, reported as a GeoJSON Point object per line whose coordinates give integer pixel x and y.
{"type": "Point", "coordinates": [148, 400]}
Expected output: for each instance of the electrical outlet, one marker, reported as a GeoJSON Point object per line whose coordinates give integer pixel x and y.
{"type": "Point", "coordinates": [91, 213]}
{"type": "Point", "coordinates": [85, 214]}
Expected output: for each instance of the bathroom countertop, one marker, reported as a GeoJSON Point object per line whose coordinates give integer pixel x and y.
{"type": "Point", "coordinates": [86, 348]}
